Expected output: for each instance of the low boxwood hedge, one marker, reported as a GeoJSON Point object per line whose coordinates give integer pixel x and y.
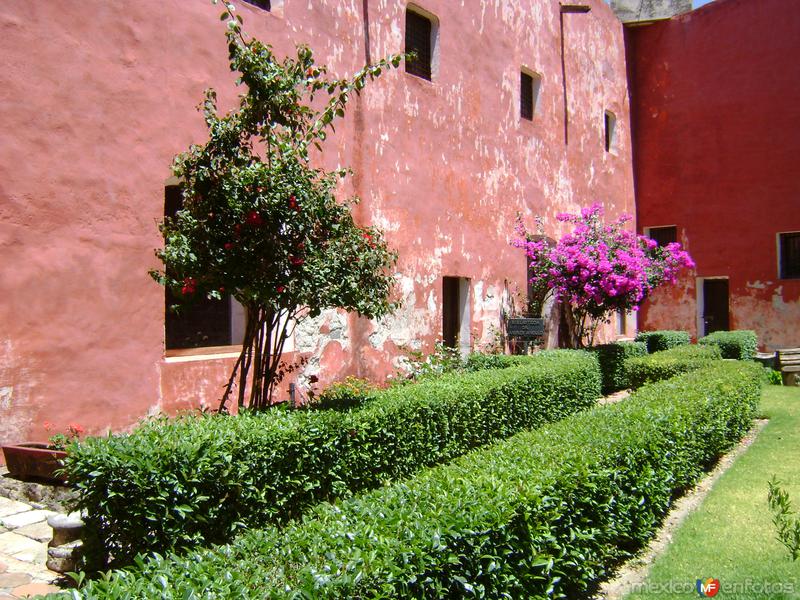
{"type": "Point", "coordinates": [668, 363]}
{"type": "Point", "coordinates": [741, 344]}
{"type": "Point", "coordinates": [658, 341]}
{"type": "Point", "coordinates": [199, 479]}
{"type": "Point", "coordinates": [546, 514]}
{"type": "Point", "coordinates": [612, 359]}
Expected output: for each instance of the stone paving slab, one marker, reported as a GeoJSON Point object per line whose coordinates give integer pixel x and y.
{"type": "Point", "coordinates": [27, 517]}
{"type": "Point", "coordinates": [39, 531]}
{"type": "Point", "coordinates": [34, 589]}
{"type": "Point", "coordinates": [24, 533]}
{"type": "Point", "coordinates": [11, 507]}
{"type": "Point", "coordinates": [22, 548]}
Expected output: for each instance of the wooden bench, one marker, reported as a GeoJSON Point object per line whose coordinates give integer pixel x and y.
{"type": "Point", "coordinates": [787, 361]}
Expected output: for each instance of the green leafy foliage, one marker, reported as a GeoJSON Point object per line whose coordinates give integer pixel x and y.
{"type": "Point", "coordinates": [787, 525]}
{"type": "Point", "coordinates": [772, 376]}
{"type": "Point", "coordinates": [612, 359]}
{"type": "Point", "coordinates": [546, 514]}
{"type": "Point", "coordinates": [479, 361]}
{"type": "Point", "coordinates": [259, 222]}
{"type": "Point", "coordinates": [200, 479]}
{"type": "Point", "coordinates": [351, 393]}
{"type": "Point", "coordinates": [741, 344]}
{"type": "Point", "coordinates": [668, 363]}
{"type": "Point", "coordinates": [658, 341]}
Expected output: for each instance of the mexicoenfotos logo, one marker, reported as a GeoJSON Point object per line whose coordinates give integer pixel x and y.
{"type": "Point", "coordinates": [707, 588]}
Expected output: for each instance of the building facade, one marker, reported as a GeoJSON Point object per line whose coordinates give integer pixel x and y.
{"type": "Point", "coordinates": [716, 115]}
{"type": "Point", "coordinates": [524, 110]}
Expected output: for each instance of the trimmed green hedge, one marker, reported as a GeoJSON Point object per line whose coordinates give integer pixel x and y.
{"type": "Point", "coordinates": [668, 363]}
{"type": "Point", "coordinates": [612, 359]}
{"type": "Point", "coordinates": [547, 514]}
{"type": "Point", "coordinates": [658, 341]}
{"type": "Point", "coordinates": [199, 479]}
{"type": "Point", "coordinates": [741, 344]}
{"type": "Point", "coordinates": [478, 361]}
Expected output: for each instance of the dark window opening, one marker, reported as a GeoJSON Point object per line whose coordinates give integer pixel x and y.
{"type": "Point", "coordinates": [622, 322]}
{"type": "Point", "coordinates": [610, 126]}
{"type": "Point", "coordinates": [663, 235]}
{"type": "Point", "coordinates": [790, 255]}
{"type": "Point", "coordinates": [264, 4]}
{"type": "Point", "coordinates": [419, 32]}
{"type": "Point", "coordinates": [205, 321]}
{"type": "Point", "coordinates": [526, 97]}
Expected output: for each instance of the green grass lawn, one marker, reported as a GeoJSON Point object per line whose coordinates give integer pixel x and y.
{"type": "Point", "coordinates": [730, 536]}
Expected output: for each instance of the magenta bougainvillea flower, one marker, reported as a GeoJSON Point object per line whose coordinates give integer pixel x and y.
{"type": "Point", "coordinates": [601, 268]}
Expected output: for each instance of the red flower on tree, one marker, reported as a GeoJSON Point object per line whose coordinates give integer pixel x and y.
{"type": "Point", "coordinates": [189, 286]}
{"type": "Point", "coordinates": [293, 203]}
{"type": "Point", "coordinates": [296, 260]}
{"type": "Point", "coordinates": [228, 246]}
{"type": "Point", "coordinates": [254, 219]}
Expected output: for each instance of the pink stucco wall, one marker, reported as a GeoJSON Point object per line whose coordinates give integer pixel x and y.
{"type": "Point", "coordinates": [717, 111]}
{"type": "Point", "coordinates": [97, 97]}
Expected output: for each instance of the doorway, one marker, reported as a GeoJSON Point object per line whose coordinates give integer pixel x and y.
{"type": "Point", "coordinates": [714, 306]}
{"type": "Point", "coordinates": [455, 313]}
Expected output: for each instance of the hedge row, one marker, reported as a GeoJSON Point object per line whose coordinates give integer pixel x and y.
{"type": "Point", "coordinates": [668, 363]}
{"type": "Point", "coordinates": [546, 514]}
{"type": "Point", "coordinates": [740, 345]}
{"type": "Point", "coordinates": [612, 359]}
{"type": "Point", "coordinates": [658, 341]}
{"type": "Point", "coordinates": [199, 479]}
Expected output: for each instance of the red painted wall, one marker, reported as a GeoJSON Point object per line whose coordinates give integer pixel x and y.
{"type": "Point", "coordinates": [716, 97]}
{"type": "Point", "coordinates": [97, 97]}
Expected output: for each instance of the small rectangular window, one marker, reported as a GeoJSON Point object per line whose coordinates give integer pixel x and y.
{"type": "Point", "coordinates": [610, 130]}
{"type": "Point", "coordinates": [622, 325]}
{"type": "Point", "coordinates": [419, 37]}
{"type": "Point", "coordinates": [528, 94]}
{"type": "Point", "coordinates": [264, 4]}
{"type": "Point", "coordinates": [205, 322]}
{"type": "Point", "coordinates": [790, 255]}
{"type": "Point", "coordinates": [663, 235]}
{"type": "Point", "coordinates": [526, 97]}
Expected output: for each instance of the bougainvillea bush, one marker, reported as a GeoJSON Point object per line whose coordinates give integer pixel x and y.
{"type": "Point", "coordinates": [599, 268]}
{"type": "Point", "coordinates": [263, 225]}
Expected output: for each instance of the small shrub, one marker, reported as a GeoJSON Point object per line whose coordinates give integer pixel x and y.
{"type": "Point", "coordinates": [658, 341]}
{"type": "Point", "coordinates": [545, 514]}
{"type": "Point", "coordinates": [787, 526]}
{"type": "Point", "coordinates": [345, 395]}
{"type": "Point", "coordinates": [612, 359]}
{"type": "Point", "coordinates": [740, 345]}
{"type": "Point", "coordinates": [669, 363]}
{"type": "Point", "coordinates": [772, 376]}
{"type": "Point", "coordinates": [177, 484]}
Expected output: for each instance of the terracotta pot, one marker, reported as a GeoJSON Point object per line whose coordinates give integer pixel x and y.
{"type": "Point", "coordinates": [34, 460]}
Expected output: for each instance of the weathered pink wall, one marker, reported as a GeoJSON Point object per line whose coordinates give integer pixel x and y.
{"type": "Point", "coordinates": [716, 115]}
{"type": "Point", "coordinates": [97, 97]}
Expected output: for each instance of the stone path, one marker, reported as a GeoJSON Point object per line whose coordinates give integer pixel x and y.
{"type": "Point", "coordinates": [24, 534]}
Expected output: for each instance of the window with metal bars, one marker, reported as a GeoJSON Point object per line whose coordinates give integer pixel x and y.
{"type": "Point", "coordinates": [526, 96]}
{"type": "Point", "coordinates": [419, 40]}
{"type": "Point", "coordinates": [264, 4]}
{"type": "Point", "coordinates": [790, 255]}
{"type": "Point", "coordinates": [663, 235]}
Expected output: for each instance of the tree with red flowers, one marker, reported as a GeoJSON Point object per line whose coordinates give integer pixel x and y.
{"type": "Point", "coordinates": [260, 223]}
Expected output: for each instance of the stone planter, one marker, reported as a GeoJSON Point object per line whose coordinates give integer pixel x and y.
{"type": "Point", "coordinates": [34, 460]}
